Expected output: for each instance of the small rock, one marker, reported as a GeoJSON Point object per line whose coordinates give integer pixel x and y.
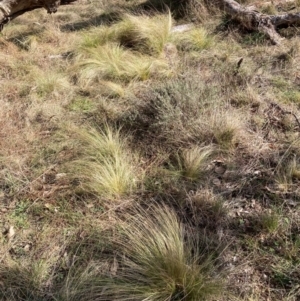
{"type": "Point", "coordinates": [257, 172]}
{"type": "Point", "coordinates": [291, 203]}
{"type": "Point", "coordinates": [220, 167]}
{"type": "Point", "coordinates": [182, 28]}
{"type": "Point", "coordinates": [27, 248]}
{"type": "Point", "coordinates": [55, 56]}
{"type": "Point", "coordinates": [89, 205]}
{"type": "Point", "coordinates": [60, 175]}
{"type": "Point", "coordinates": [216, 182]}
{"type": "Point", "coordinates": [11, 232]}
{"type": "Point", "coordinates": [48, 206]}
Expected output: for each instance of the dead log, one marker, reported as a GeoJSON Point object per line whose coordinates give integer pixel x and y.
{"type": "Point", "coordinates": [10, 9]}
{"type": "Point", "coordinates": [286, 19]}
{"type": "Point", "coordinates": [252, 19]}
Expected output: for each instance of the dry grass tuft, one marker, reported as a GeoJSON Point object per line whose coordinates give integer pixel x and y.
{"type": "Point", "coordinates": [114, 62]}
{"type": "Point", "coordinates": [154, 260]}
{"type": "Point", "coordinates": [128, 50]}
{"type": "Point", "coordinates": [193, 161]}
{"type": "Point", "coordinates": [142, 33]}
{"type": "Point", "coordinates": [194, 40]}
{"type": "Point", "coordinates": [108, 168]}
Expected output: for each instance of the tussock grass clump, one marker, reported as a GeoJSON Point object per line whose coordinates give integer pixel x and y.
{"type": "Point", "coordinates": [184, 110]}
{"type": "Point", "coordinates": [29, 271]}
{"type": "Point", "coordinates": [225, 127]}
{"type": "Point", "coordinates": [207, 208]}
{"type": "Point", "coordinates": [128, 50]}
{"type": "Point", "coordinates": [22, 282]}
{"type": "Point", "coordinates": [154, 260]}
{"type": "Point", "coordinates": [100, 36]}
{"type": "Point", "coordinates": [288, 172]}
{"type": "Point", "coordinates": [147, 34]}
{"type": "Point", "coordinates": [52, 83]}
{"type": "Point", "coordinates": [142, 33]}
{"type": "Point", "coordinates": [245, 97]}
{"type": "Point", "coordinates": [107, 166]}
{"type": "Point", "coordinates": [193, 161]}
{"type": "Point", "coordinates": [173, 109]}
{"type": "Point", "coordinates": [270, 222]}
{"type": "Point", "coordinates": [196, 39]}
{"type": "Point", "coordinates": [114, 62]}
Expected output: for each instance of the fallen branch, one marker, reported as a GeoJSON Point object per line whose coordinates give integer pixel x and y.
{"type": "Point", "coordinates": [286, 19]}
{"type": "Point", "coordinates": [11, 9]}
{"type": "Point", "coordinates": [253, 20]}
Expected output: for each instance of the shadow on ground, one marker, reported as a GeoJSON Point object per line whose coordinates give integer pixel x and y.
{"type": "Point", "coordinates": [177, 7]}
{"type": "Point", "coordinates": [103, 19]}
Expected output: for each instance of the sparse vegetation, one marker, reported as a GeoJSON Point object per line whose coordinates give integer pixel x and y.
{"type": "Point", "coordinates": [143, 159]}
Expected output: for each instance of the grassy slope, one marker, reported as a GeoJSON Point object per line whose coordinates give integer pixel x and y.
{"type": "Point", "coordinates": [150, 162]}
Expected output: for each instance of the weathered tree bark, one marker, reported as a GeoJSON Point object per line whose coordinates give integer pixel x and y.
{"type": "Point", "coordinates": [10, 9]}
